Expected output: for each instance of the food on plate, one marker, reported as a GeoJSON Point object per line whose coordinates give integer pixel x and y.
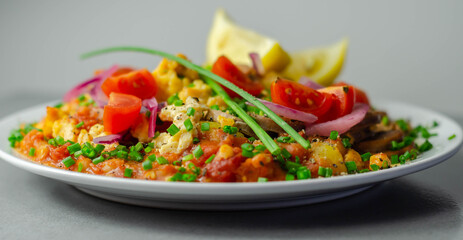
{"type": "Point", "coordinates": [226, 122]}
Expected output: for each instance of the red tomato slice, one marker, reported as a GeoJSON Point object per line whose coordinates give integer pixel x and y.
{"type": "Point", "coordinates": [121, 112]}
{"type": "Point", "coordinates": [297, 96]}
{"type": "Point", "coordinates": [119, 71]}
{"type": "Point", "coordinates": [360, 96]}
{"type": "Point", "coordinates": [344, 98]}
{"type": "Point", "coordinates": [139, 83]}
{"type": "Point", "coordinates": [229, 71]}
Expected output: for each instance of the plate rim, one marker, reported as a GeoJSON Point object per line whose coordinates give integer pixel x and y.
{"type": "Point", "coordinates": [236, 189]}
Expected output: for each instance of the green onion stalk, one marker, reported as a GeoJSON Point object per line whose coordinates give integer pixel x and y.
{"type": "Point", "coordinates": [212, 80]}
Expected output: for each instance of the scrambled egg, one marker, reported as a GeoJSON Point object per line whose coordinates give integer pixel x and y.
{"type": "Point", "coordinates": [178, 114]}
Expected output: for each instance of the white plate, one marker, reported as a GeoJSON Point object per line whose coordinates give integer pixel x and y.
{"type": "Point", "coordinates": [232, 196]}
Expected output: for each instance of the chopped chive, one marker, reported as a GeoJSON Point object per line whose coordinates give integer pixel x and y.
{"type": "Point", "coordinates": [402, 159]}
{"type": "Point", "coordinates": [394, 145]}
{"type": "Point", "coordinates": [329, 172]}
{"type": "Point", "coordinates": [262, 179]}
{"type": "Point", "coordinates": [81, 98]}
{"type": "Point", "coordinates": [215, 107]}
{"type": "Point", "coordinates": [148, 149]}
{"type": "Point", "coordinates": [147, 165]}
{"type": "Point", "coordinates": [138, 147]}
{"type": "Point", "coordinates": [178, 103]}
{"type": "Point", "coordinates": [385, 120]}
{"type": "Point", "coordinates": [247, 147]}
{"type": "Point", "coordinates": [195, 140]}
{"type": "Point", "coordinates": [413, 153]}
{"type": "Point", "coordinates": [128, 172]}
{"type": "Point", "coordinates": [292, 166]}
{"type": "Point", "coordinates": [32, 152]}
{"type": "Point", "coordinates": [181, 169]}
{"type": "Point", "coordinates": [334, 135]}
{"type": "Point", "coordinates": [283, 139]}
{"type": "Point", "coordinates": [80, 124]}
{"type": "Point", "coordinates": [247, 154]}
{"type": "Point", "coordinates": [452, 137]}
{"type": "Point", "coordinates": [122, 154]}
{"type": "Point", "coordinates": [351, 166]}
{"type": "Point", "coordinates": [297, 159]}
{"type": "Point", "coordinates": [346, 143]}
{"type": "Point", "coordinates": [209, 160]}
{"type": "Point", "coordinates": [121, 147]}
{"type": "Point", "coordinates": [364, 170]}
{"type": "Point", "coordinates": [60, 140]}
{"type": "Point", "coordinates": [205, 126]}
{"type": "Point", "coordinates": [191, 85]}
{"type": "Point", "coordinates": [260, 148]}
{"type": "Point", "coordinates": [285, 153]}
{"type": "Point", "coordinates": [213, 81]}
{"type": "Point", "coordinates": [435, 124]}
{"type": "Point", "coordinates": [152, 158]}
{"type": "Point", "coordinates": [321, 171]}
{"type": "Point", "coordinates": [374, 167]}
{"type": "Point", "coordinates": [68, 161]}
{"type": "Point", "coordinates": [303, 173]}
{"type": "Point", "coordinates": [162, 160]}
{"type": "Point", "coordinates": [135, 156]}
{"type": "Point", "coordinates": [173, 129]}
{"type": "Point", "coordinates": [80, 167]}
{"type": "Point", "coordinates": [198, 152]}
{"type": "Point", "coordinates": [188, 177]}
{"type": "Point", "coordinates": [251, 139]}
{"type": "Point", "coordinates": [289, 177]}
{"type": "Point", "coordinates": [402, 125]}
{"type": "Point", "coordinates": [59, 105]}
{"type": "Point", "coordinates": [188, 157]}
{"type": "Point", "coordinates": [177, 177]}
{"type": "Point", "coordinates": [425, 146]}
{"type": "Point", "coordinates": [230, 129]}
{"type": "Point", "coordinates": [98, 160]}
{"type": "Point", "coordinates": [88, 151]}
{"type": "Point", "coordinates": [77, 154]}
{"type": "Point", "coordinates": [190, 111]}
{"type": "Point", "coordinates": [394, 159]}
{"type": "Point", "coordinates": [366, 156]}
{"type": "Point", "coordinates": [188, 125]}
{"type": "Point", "coordinates": [74, 148]}
{"type": "Point", "coordinates": [172, 99]}
{"type": "Point", "coordinates": [99, 148]}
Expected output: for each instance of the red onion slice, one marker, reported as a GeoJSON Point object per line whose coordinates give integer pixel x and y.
{"type": "Point", "coordinates": [342, 124]}
{"type": "Point", "coordinates": [97, 93]}
{"type": "Point", "coordinates": [306, 81]}
{"type": "Point", "coordinates": [257, 64]}
{"type": "Point", "coordinates": [89, 85]}
{"type": "Point", "coordinates": [108, 139]}
{"type": "Point", "coordinates": [152, 105]}
{"type": "Point", "coordinates": [288, 112]}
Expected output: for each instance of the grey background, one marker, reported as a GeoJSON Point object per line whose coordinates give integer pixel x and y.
{"type": "Point", "coordinates": [405, 50]}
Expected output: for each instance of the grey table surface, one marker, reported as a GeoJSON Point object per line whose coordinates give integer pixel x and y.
{"type": "Point", "coordinates": [403, 50]}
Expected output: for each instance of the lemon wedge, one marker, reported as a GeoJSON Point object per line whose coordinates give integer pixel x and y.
{"type": "Point", "coordinates": [320, 64]}
{"type": "Point", "coordinates": [235, 42]}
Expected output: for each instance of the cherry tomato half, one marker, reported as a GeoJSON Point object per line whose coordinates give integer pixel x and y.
{"type": "Point", "coordinates": [119, 71]}
{"type": "Point", "coordinates": [344, 98]}
{"type": "Point", "coordinates": [360, 96]}
{"type": "Point", "coordinates": [139, 83]}
{"type": "Point", "coordinates": [229, 71]}
{"type": "Point", "coordinates": [121, 112]}
{"type": "Point", "coordinates": [297, 96]}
